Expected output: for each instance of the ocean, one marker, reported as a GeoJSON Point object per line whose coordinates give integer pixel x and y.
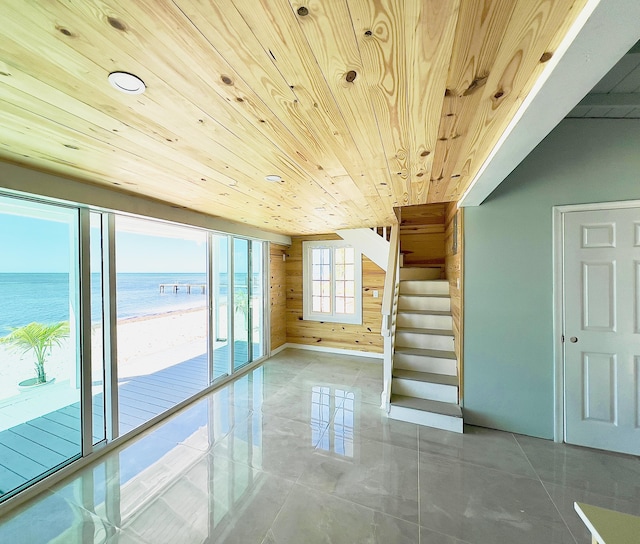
{"type": "Point", "coordinates": [45, 297]}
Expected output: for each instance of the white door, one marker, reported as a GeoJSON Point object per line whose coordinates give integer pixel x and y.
{"type": "Point", "coordinates": [602, 329]}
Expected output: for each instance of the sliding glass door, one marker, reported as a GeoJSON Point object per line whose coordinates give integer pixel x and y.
{"type": "Point", "coordinates": [257, 299]}
{"type": "Point", "coordinates": [241, 317]}
{"type": "Point", "coordinates": [220, 306]}
{"type": "Point", "coordinates": [132, 315]}
{"type": "Point", "coordinates": [40, 424]}
{"type": "Point", "coordinates": [161, 278]}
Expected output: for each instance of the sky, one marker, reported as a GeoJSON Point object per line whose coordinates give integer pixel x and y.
{"type": "Point", "coordinates": [32, 244]}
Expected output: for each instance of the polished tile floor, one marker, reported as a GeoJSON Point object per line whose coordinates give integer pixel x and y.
{"type": "Point", "coordinates": [297, 451]}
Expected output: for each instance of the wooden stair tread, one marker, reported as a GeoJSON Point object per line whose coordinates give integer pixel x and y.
{"type": "Point", "coordinates": [425, 312]}
{"type": "Point", "coordinates": [428, 377]}
{"type": "Point", "coordinates": [438, 332]}
{"type": "Point", "coordinates": [436, 353]}
{"type": "Point", "coordinates": [433, 406]}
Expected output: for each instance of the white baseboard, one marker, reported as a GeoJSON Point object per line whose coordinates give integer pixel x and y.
{"type": "Point", "coordinates": [326, 349]}
{"type": "Point", "coordinates": [278, 349]}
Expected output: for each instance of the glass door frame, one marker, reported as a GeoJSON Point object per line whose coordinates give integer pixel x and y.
{"type": "Point", "coordinates": [83, 305]}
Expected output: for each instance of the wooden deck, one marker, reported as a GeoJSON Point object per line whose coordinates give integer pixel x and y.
{"type": "Point", "coordinates": [33, 448]}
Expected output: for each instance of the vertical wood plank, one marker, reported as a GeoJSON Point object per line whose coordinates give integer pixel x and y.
{"type": "Point", "coordinates": [278, 294]}
{"type": "Point", "coordinates": [429, 30]}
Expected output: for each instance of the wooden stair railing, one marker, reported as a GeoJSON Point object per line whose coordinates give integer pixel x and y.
{"type": "Point", "coordinates": [389, 310]}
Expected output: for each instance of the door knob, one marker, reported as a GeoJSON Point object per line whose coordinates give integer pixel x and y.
{"type": "Point", "coordinates": [573, 339]}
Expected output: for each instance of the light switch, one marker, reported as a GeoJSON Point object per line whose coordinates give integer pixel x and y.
{"type": "Point", "coordinates": [375, 293]}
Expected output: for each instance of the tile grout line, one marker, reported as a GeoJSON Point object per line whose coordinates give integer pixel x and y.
{"type": "Point", "coordinates": [359, 505]}
{"type": "Point", "coordinates": [275, 518]}
{"type": "Point", "coordinates": [545, 489]}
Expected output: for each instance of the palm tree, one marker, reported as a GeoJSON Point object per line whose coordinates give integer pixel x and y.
{"type": "Point", "coordinates": [241, 301]}
{"type": "Point", "coordinates": [38, 337]}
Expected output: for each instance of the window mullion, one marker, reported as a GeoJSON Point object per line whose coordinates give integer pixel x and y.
{"type": "Point", "coordinates": [332, 283]}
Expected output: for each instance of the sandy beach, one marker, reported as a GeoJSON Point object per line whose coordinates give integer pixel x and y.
{"type": "Point", "coordinates": [145, 344]}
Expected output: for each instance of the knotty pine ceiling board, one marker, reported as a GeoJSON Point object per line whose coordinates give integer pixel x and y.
{"type": "Point", "coordinates": [430, 30]}
{"type": "Point", "coordinates": [533, 32]}
{"type": "Point", "coordinates": [360, 105]}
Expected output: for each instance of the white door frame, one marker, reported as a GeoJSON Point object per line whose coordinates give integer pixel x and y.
{"type": "Point", "coordinates": [558, 299]}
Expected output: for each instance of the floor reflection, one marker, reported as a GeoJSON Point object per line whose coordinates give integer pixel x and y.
{"type": "Point", "coordinates": [299, 451]}
{"type": "Point", "coordinates": [332, 419]}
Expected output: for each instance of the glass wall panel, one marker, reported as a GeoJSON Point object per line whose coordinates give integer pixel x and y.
{"type": "Point", "coordinates": [97, 327]}
{"type": "Point", "coordinates": [161, 296]}
{"type": "Point", "coordinates": [39, 357]}
{"type": "Point", "coordinates": [221, 308]}
{"type": "Point", "coordinates": [257, 299]}
{"type": "Point", "coordinates": [241, 316]}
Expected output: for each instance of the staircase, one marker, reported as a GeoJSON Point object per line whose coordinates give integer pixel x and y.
{"type": "Point", "coordinates": [424, 384]}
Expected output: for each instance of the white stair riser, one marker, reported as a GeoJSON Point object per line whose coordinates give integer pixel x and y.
{"type": "Point", "coordinates": [438, 304]}
{"type": "Point", "coordinates": [417, 287]}
{"type": "Point", "coordinates": [420, 363]}
{"type": "Point", "coordinates": [424, 390]}
{"type": "Point", "coordinates": [428, 419]}
{"type": "Point", "coordinates": [424, 341]}
{"type": "Point", "coordinates": [420, 273]}
{"type": "Point", "coordinates": [424, 321]}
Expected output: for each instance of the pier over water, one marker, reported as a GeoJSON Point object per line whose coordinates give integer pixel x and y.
{"type": "Point", "coordinates": [175, 287]}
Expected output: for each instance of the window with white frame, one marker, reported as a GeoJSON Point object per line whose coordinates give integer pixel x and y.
{"type": "Point", "coordinates": [332, 282]}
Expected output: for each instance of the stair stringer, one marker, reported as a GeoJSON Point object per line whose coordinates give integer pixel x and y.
{"type": "Point", "coordinates": [369, 243]}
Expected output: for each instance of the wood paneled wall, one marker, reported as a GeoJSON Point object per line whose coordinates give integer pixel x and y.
{"type": "Point", "coordinates": [365, 337]}
{"type": "Point", "coordinates": [422, 234]}
{"type": "Point", "coordinates": [278, 295]}
{"type": "Point", "coordinates": [455, 274]}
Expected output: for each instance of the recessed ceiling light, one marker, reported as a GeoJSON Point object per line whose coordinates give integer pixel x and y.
{"type": "Point", "coordinates": [127, 83]}
{"type": "Point", "coordinates": [273, 178]}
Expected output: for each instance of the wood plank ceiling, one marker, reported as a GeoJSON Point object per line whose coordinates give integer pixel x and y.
{"type": "Point", "coordinates": [359, 105]}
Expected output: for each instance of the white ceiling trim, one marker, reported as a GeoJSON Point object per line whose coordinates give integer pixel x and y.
{"type": "Point", "coordinates": [604, 31]}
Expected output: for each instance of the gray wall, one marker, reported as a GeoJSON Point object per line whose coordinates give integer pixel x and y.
{"type": "Point", "coordinates": [508, 296]}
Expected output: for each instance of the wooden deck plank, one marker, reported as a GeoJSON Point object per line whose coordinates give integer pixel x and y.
{"type": "Point", "coordinates": [36, 451]}
{"type": "Point", "coordinates": [154, 379]}
{"type": "Point", "coordinates": [64, 419]}
{"type": "Point", "coordinates": [141, 414]}
{"type": "Point", "coordinates": [9, 480]}
{"type": "Point", "coordinates": [31, 448]}
{"type": "Point", "coordinates": [129, 422]}
{"type": "Point", "coordinates": [163, 394]}
{"type": "Point", "coordinates": [161, 382]}
{"type": "Point", "coordinates": [21, 464]}
{"type": "Point", "coordinates": [130, 398]}
{"type": "Point", "coordinates": [133, 399]}
{"type": "Point", "coordinates": [62, 431]}
{"type": "Point", "coordinates": [173, 380]}
{"type": "Point", "coordinates": [45, 438]}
